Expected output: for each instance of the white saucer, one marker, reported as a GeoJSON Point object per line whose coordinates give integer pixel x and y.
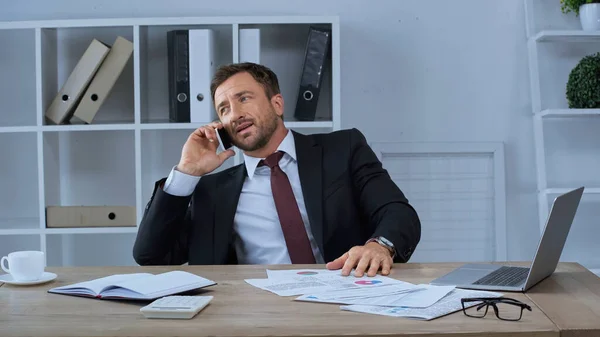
{"type": "Point", "coordinates": [46, 277]}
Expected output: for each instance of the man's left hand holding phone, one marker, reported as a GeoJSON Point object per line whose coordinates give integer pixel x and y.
{"type": "Point", "coordinates": [199, 154]}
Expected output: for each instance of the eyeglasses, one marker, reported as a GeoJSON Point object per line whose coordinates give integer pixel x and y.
{"type": "Point", "coordinates": [507, 309]}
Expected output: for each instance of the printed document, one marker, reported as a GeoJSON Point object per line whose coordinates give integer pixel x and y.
{"type": "Point", "coordinates": [379, 295]}
{"type": "Point", "coordinates": [305, 281]}
{"type": "Point", "coordinates": [416, 296]}
{"type": "Point", "coordinates": [447, 305]}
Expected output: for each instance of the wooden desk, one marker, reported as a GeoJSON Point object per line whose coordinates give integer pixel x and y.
{"type": "Point", "coordinates": [239, 309]}
{"type": "Point", "coordinates": [571, 299]}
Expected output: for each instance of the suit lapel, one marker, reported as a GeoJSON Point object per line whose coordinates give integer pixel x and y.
{"type": "Point", "coordinates": [229, 187]}
{"type": "Point", "coordinates": [309, 169]}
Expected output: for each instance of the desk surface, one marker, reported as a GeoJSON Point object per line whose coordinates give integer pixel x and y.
{"type": "Point", "coordinates": [239, 309]}
{"type": "Point", "coordinates": [571, 299]}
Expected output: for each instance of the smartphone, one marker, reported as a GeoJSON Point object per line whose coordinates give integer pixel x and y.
{"type": "Point", "coordinates": [224, 138]}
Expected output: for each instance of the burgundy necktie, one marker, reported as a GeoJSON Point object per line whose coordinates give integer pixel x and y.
{"type": "Point", "coordinates": [289, 215]}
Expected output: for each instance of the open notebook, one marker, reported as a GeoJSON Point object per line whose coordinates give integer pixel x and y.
{"type": "Point", "coordinates": [138, 286]}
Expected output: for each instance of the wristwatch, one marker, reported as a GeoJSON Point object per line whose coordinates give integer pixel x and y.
{"type": "Point", "coordinates": [385, 243]}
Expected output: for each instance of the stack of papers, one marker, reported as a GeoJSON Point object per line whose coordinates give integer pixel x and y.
{"type": "Point", "coordinates": [313, 281]}
{"type": "Point", "coordinates": [379, 295]}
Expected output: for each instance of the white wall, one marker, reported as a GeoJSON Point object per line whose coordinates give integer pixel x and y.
{"type": "Point", "coordinates": [411, 70]}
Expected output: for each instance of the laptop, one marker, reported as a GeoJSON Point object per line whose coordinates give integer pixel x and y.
{"type": "Point", "coordinates": [502, 277]}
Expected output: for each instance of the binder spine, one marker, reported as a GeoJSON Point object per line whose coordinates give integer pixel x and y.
{"type": "Point", "coordinates": [65, 102]}
{"type": "Point", "coordinates": [202, 65]}
{"type": "Point", "coordinates": [179, 82]}
{"type": "Point", "coordinates": [250, 45]}
{"type": "Point", "coordinates": [104, 80]}
{"type": "Point", "coordinates": [315, 61]}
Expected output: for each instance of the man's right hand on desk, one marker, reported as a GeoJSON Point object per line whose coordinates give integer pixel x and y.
{"type": "Point", "coordinates": [199, 154]}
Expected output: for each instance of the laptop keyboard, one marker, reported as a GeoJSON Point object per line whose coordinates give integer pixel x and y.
{"type": "Point", "coordinates": [505, 276]}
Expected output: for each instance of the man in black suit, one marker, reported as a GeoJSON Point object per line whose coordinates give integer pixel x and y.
{"type": "Point", "coordinates": [321, 198]}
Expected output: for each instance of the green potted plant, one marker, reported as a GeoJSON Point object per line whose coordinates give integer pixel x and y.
{"type": "Point", "coordinates": [583, 85]}
{"type": "Point", "coordinates": [587, 10]}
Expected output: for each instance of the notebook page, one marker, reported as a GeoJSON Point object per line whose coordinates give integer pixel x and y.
{"type": "Point", "coordinates": [159, 285]}
{"type": "Point", "coordinates": [97, 285]}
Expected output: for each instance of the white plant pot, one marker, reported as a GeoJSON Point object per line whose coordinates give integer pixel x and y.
{"type": "Point", "coordinates": [589, 15]}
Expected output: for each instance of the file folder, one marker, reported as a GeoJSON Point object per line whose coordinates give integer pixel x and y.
{"type": "Point", "coordinates": [315, 61]}
{"type": "Point", "coordinates": [104, 80]}
{"type": "Point", "coordinates": [62, 106]}
{"type": "Point", "coordinates": [179, 79]}
{"type": "Point", "coordinates": [202, 66]}
{"type": "Point", "coordinates": [249, 45]}
{"type": "Point", "coordinates": [90, 216]}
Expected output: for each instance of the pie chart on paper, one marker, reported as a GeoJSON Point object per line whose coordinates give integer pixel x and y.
{"type": "Point", "coordinates": [367, 282]}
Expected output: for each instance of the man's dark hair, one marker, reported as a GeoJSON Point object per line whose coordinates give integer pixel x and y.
{"type": "Point", "coordinates": [263, 75]}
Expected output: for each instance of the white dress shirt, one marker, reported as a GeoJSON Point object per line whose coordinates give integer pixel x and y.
{"type": "Point", "coordinates": [258, 235]}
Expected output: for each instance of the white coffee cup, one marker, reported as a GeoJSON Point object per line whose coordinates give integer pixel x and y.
{"type": "Point", "coordinates": [27, 265]}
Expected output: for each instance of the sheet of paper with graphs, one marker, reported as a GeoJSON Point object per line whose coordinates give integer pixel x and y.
{"type": "Point", "coordinates": [379, 295]}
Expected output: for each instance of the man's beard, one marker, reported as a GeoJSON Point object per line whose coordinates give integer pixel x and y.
{"type": "Point", "coordinates": [264, 134]}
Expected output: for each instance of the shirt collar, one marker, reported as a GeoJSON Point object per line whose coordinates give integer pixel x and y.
{"type": "Point", "coordinates": [287, 145]}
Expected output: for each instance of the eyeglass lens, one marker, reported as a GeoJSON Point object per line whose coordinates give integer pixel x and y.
{"type": "Point", "coordinates": [505, 311]}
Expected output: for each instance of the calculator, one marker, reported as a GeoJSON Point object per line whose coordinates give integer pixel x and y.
{"type": "Point", "coordinates": [176, 307]}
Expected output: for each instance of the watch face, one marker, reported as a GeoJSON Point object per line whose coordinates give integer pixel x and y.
{"type": "Point", "coordinates": [386, 241]}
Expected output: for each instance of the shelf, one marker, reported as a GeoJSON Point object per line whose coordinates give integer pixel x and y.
{"type": "Point", "coordinates": [565, 139]}
{"type": "Point", "coordinates": [160, 151]}
{"type": "Point", "coordinates": [20, 231]}
{"type": "Point", "coordinates": [130, 144]}
{"type": "Point", "coordinates": [154, 101]}
{"type": "Point", "coordinates": [89, 168]}
{"type": "Point", "coordinates": [21, 223]}
{"type": "Point", "coordinates": [61, 50]}
{"type": "Point", "coordinates": [17, 129]}
{"type": "Point", "coordinates": [165, 125]}
{"type": "Point", "coordinates": [19, 206]}
{"type": "Point", "coordinates": [17, 70]}
{"type": "Point", "coordinates": [552, 65]}
{"type": "Point", "coordinates": [88, 127]}
{"type": "Point", "coordinates": [92, 249]}
{"type": "Point", "coordinates": [567, 36]}
{"type": "Point", "coordinates": [549, 191]}
{"type": "Point", "coordinates": [153, 125]}
{"type": "Point", "coordinates": [550, 113]}
{"type": "Point", "coordinates": [282, 49]}
{"type": "Point", "coordinates": [170, 21]}
{"type": "Point", "coordinates": [571, 152]}
{"type": "Point", "coordinates": [91, 230]}
{"type": "Point", "coordinates": [9, 244]}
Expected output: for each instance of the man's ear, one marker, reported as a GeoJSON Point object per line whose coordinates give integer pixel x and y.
{"type": "Point", "coordinates": [277, 102]}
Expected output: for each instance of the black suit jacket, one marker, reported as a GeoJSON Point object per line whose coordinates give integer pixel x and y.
{"type": "Point", "coordinates": [349, 199]}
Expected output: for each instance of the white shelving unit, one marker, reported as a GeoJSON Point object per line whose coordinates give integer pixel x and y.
{"type": "Point", "coordinates": [131, 144]}
{"type": "Point", "coordinates": [566, 149]}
